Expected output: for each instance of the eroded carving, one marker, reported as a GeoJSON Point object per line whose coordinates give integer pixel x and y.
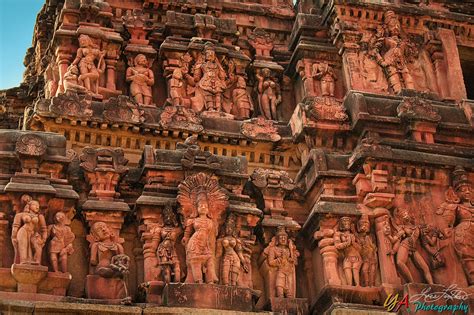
{"type": "Point", "coordinates": [60, 245]}
{"type": "Point", "coordinates": [260, 129]}
{"type": "Point", "coordinates": [141, 80]}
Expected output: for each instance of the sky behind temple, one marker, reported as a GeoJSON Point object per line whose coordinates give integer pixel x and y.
{"type": "Point", "coordinates": [17, 21]}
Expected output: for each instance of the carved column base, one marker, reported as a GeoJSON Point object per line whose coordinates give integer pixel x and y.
{"type": "Point", "coordinates": [211, 296]}
{"type": "Point", "coordinates": [56, 283]}
{"type": "Point", "coordinates": [28, 276]}
{"type": "Point", "coordinates": [105, 288]}
{"type": "Point", "coordinates": [155, 291]}
{"type": "Point", "coordinates": [287, 305]}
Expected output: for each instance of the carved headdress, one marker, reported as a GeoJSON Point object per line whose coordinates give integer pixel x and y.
{"type": "Point", "coordinates": [460, 178]}
{"type": "Point", "coordinates": [202, 188]}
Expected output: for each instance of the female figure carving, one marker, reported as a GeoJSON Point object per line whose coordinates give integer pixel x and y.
{"type": "Point", "coordinates": [233, 261]}
{"type": "Point", "coordinates": [60, 245]}
{"type": "Point", "coordinates": [29, 233]}
{"type": "Point", "coordinates": [86, 57]}
{"type": "Point", "coordinates": [268, 94]}
{"type": "Point", "coordinates": [142, 79]}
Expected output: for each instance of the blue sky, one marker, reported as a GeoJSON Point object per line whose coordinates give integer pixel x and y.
{"type": "Point", "coordinates": [17, 20]}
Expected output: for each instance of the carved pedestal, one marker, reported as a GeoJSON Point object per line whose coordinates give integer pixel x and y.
{"type": "Point", "coordinates": [208, 296]}
{"type": "Point", "coordinates": [28, 276]}
{"type": "Point", "coordinates": [287, 305]}
{"type": "Point", "coordinates": [105, 288]}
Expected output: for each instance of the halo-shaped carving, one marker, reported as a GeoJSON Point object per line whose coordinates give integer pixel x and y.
{"type": "Point", "coordinates": [198, 186]}
{"type": "Point", "coordinates": [31, 145]}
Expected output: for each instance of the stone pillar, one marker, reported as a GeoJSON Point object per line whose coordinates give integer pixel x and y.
{"type": "Point", "coordinates": [330, 255]}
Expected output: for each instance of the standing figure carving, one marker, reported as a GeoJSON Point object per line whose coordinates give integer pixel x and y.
{"type": "Point", "coordinates": [458, 215]}
{"type": "Point", "coordinates": [106, 251]}
{"type": "Point", "coordinates": [241, 100]}
{"type": "Point", "coordinates": [282, 258]}
{"type": "Point", "coordinates": [209, 76]}
{"type": "Point", "coordinates": [29, 233]}
{"type": "Point", "coordinates": [202, 202]}
{"type": "Point", "coordinates": [87, 56]}
{"type": "Point", "coordinates": [269, 94]}
{"type": "Point", "coordinates": [368, 251]}
{"type": "Point", "coordinates": [406, 240]}
{"type": "Point", "coordinates": [390, 51]}
{"type": "Point", "coordinates": [345, 241]}
{"type": "Point", "coordinates": [60, 245]}
{"type": "Point", "coordinates": [233, 260]}
{"type": "Point", "coordinates": [164, 244]}
{"type": "Point", "coordinates": [324, 73]}
{"type": "Point", "coordinates": [141, 80]}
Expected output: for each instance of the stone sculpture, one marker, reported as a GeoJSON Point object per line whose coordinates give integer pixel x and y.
{"type": "Point", "coordinates": [346, 242]}
{"type": "Point", "coordinates": [60, 245]}
{"type": "Point", "coordinates": [233, 261]}
{"type": "Point", "coordinates": [29, 233]}
{"type": "Point", "coordinates": [324, 73]}
{"type": "Point", "coordinates": [390, 51]}
{"type": "Point", "coordinates": [104, 247]}
{"type": "Point", "coordinates": [406, 238]}
{"type": "Point", "coordinates": [164, 245]}
{"type": "Point", "coordinates": [457, 212]}
{"type": "Point", "coordinates": [282, 257]}
{"type": "Point", "coordinates": [141, 80]}
{"type": "Point", "coordinates": [209, 76]}
{"type": "Point", "coordinates": [202, 202]}
{"type": "Point", "coordinates": [368, 251]}
{"type": "Point", "coordinates": [242, 103]}
{"type": "Point", "coordinates": [269, 94]}
{"type": "Point", "coordinates": [90, 60]}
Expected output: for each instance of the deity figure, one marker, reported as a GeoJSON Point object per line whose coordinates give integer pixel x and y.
{"type": "Point", "coordinates": [282, 257]}
{"type": "Point", "coordinates": [241, 100]}
{"type": "Point", "coordinates": [142, 79]}
{"type": "Point", "coordinates": [209, 76]}
{"type": "Point", "coordinates": [393, 59]}
{"type": "Point", "coordinates": [164, 244]}
{"type": "Point", "coordinates": [345, 241]}
{"type": "Point", "coordinates": [29, 233]}
{"type": "Point", "coordinates": [202, 204]}
{"type": "Point", "coordinates": [233, 260]}
{"type": "Point", "coordinates": [325, 74]}
{"type": "Point", "coordinates": [269, 94]}
{"type": "Point", "coordinates": [430, 237]}
{"type": "Point", "coordinates": [368, 251]}
{"type": "Point", "coordinates": [176, 87]}
{"type": "Point", "coordinates": [60, 246]}
{"type": "Point", "coordinates": [87, 55]}
{"type": "Point", "coordinates": [458, 214]}
{"type": "Point", "coordinates": [103, 250]}
{"type": "Point", "coordinates": [406, 239]}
